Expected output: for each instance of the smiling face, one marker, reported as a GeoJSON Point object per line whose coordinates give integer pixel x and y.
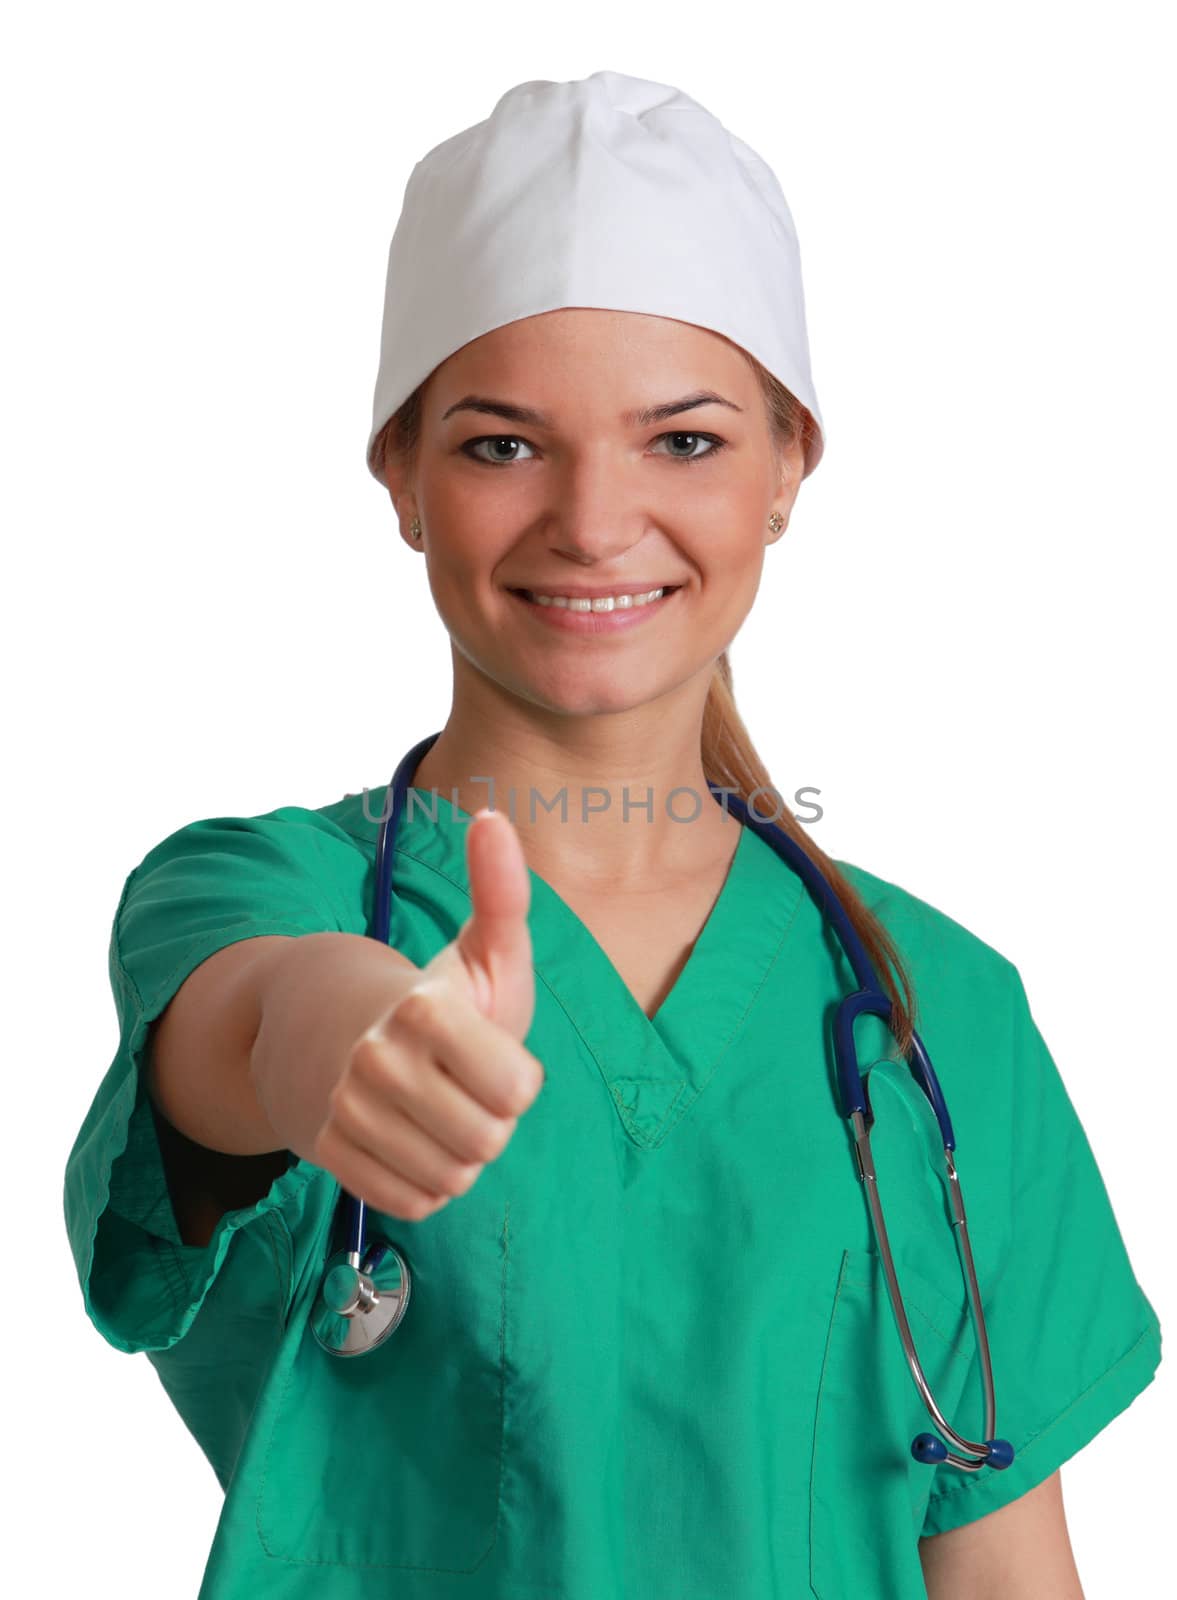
{"type": "Point", "coordinates": [564, 489]}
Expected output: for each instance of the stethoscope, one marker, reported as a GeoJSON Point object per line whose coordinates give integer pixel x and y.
{"type": "Point", "coordinates": [366, 1286]}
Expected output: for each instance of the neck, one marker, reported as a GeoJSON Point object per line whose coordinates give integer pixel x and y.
{"type": "Point", "coordinates": [594, 797]}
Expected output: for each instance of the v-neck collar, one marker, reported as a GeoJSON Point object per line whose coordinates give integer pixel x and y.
{"type": "Point", "coordinates": [656, 1067]}
{"type": "Point", "coordinates": [653, 1067]}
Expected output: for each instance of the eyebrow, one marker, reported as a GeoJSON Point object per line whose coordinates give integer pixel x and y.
{"type": "Point", "coordinates": [642, 417]}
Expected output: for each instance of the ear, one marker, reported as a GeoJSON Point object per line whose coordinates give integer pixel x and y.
{"type": "Point", "coordinates": [792, 467]}
{"type": "Point", "coordinates": [406, 509]}
{"type": "Point", "coordinates": [404, 501]}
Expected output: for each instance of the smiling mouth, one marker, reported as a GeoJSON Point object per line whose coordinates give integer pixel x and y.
{"type": "Point", "coordinates": [621, 601]}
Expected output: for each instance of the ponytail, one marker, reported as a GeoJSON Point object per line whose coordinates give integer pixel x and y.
{"type": "Point", "coordinates": [731, 762]}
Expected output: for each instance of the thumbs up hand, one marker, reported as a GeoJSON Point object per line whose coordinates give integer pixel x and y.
{"type": "Point", "coordinates": [433, 1090]}
{"type": "Point", "coordinates": [493, 947]}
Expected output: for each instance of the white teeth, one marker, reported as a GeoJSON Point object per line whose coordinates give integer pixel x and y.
{"type": "Point", "coordinates": [606, 602]}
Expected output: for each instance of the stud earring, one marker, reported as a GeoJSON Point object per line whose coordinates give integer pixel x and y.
{"type": "Point", "coordinates": [776, 522]}
{"type": "Point", "coordinates": [415, 529]}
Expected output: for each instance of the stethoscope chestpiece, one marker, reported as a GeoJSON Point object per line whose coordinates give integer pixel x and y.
{"type": "Point", "coordinates": [358, 1306]}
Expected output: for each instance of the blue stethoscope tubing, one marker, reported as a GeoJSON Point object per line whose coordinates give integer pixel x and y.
{"type": "Point", "coordinates": [346, 1306]}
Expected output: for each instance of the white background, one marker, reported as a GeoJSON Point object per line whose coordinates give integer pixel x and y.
{"type": "Point", "coordinates": [963, 640]}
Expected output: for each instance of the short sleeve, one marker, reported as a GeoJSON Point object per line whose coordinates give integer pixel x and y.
{"type": "Point", "coordinates": [208, 885]}
{"type": "Point", "coordinates": [1073, 1337]}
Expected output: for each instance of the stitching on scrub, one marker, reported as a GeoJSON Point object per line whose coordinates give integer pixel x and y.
{"type": "Point", "coordinates": [723, 1049]}
{"type": "Point", "coordinates": [911, 1301]}
{"type": "Point", "coordinates": [288, 1247]}
{"type": "Point", "coordinates": [620, 1104]}
{"type": "Point", "coordinates": [165, 1251]}
{"type": "Point", "coordinates": [952, 1345]}
{"type": "Point", "coordinates": [847, 1280]}
{"type": "Point", "coordinates": [737, 1025]}
{"type": "Point", "coordinates": [179, 1287]}
{"type": "Point", "coordinates": [454, 883]}
{"type": "Point", "coordinates": [398, 1566]}
{"type": "Point", "coordinates": [502, 1384]}
{"type": "Point", "coordinates": [821, 1390]}
{"type": "Point", "coordinates": [268, 927]}
{"type": "Point", "coordinates": [669, 1127]}
{"type": "Point", "coordinates": [277, 1249]}
{"type": "Point", "coordinates": [140, 1000]}
{"type": "Point", "coordinates": [360, 838]}
{"type": "Point", "coordinates": [956, 1488]}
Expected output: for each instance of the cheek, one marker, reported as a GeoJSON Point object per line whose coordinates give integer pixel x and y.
{"type": "Point", "coordinates": [721, 521]}
{"type": "Point", "coordinates": [464, 564]}
{"type": "Point", "coordinates": [732, 560]}
{"type": "Point", "coordinates": [730, 579]}
{"type": "Point", "coordinates": [462, 582]}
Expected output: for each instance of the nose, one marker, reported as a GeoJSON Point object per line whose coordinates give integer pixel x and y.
{"type": "Point", "coordinates": [592, 521]}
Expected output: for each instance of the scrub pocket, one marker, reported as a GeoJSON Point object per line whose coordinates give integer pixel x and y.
{"type": "Point", "coordinates": [867, 1492]}
{"type": "Point", "coordinates": [393, 1459]}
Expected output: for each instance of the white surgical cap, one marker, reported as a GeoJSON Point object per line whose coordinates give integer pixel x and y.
{"type": "Point", "coordinates": [606, 191]}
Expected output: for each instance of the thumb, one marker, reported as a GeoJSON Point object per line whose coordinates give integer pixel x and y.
{"type": "Point", "coordinates": [495, 942]}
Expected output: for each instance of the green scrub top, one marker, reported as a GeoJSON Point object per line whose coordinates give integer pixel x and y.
{"type": "Point", "coordinates": [650, 1351]}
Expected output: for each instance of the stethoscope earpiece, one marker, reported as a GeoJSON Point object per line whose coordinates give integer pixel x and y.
{"type": "Point", "coordinates": [926, 1447]}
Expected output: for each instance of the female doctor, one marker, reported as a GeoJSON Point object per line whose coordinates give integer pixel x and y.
{"type": "Point", "coordinates": [645, 1344]}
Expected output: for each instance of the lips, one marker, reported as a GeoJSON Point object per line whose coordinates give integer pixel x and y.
{"type": "Point", "coordinates": [593, 591]}
{"type": "Point", "coordinates": [601, 601]}
{"type": "Point", "coordinates": [588, 615]}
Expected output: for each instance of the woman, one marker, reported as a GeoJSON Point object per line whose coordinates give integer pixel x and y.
{"type": "Point", "coordinates": [586, 1088]}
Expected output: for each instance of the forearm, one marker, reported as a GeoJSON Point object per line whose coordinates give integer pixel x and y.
{"type": "Point", "coordinates": [316, 997]}
{"type": "Point", "coordinates": [1020, 1552]}
{"type": "Point", "coordinates": [251, 1043]}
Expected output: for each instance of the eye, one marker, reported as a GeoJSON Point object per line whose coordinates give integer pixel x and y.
{"type": "Point", "coordinates": [512, 441]}
{"type": "Point", "coordinates": [711, 439]}
{"type": "Point", "coordinates": [494, 439]}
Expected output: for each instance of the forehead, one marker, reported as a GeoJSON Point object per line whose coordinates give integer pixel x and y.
{"type": "Point", "coordinates": [613, 351]}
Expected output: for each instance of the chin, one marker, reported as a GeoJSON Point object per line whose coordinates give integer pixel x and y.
{"type": "Point", "coordinates": [606, 695]}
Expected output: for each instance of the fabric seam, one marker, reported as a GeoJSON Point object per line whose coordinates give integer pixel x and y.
{"type": "Point", "coordinates": [956, 1489]}
{"type": "Point", "coordinates": [165, 1249]}
{"type": "Point", "coordinates": [668, 1127]}
{"type": "Point", "coordinates": [283, 1401]}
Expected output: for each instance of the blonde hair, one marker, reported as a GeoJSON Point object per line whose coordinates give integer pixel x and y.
{"type": "Point", "coordinates": [730, 759]}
